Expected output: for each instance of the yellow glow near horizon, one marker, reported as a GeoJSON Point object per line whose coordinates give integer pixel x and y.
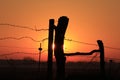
{"type": "Point", "coordinates": [53, 46]}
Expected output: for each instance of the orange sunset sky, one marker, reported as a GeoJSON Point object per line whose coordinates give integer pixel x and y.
{"type": "Point", "coordinates": [89, 20]}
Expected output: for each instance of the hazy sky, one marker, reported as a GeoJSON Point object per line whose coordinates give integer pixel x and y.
{"type": "Point", "coordinates": [89, 20]}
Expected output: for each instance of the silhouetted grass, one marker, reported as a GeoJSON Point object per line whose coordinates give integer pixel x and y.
{"type": "Point", "coordinates": [28, 70]}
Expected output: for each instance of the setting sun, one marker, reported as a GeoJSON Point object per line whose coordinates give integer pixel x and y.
{"type": "Point", "coordinates": [53, 46]}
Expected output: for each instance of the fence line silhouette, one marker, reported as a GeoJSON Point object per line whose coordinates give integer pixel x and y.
{"type": "Point", "coordinates": [19, 38]}
{"type": "Point", "coordinates": [34, 40]}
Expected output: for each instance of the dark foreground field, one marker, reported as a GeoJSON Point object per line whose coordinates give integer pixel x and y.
{"type": "Point", "coordinates": [27, 70]}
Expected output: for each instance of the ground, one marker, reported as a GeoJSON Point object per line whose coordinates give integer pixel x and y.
{"type": "Point", "coordinates": [74, 71]}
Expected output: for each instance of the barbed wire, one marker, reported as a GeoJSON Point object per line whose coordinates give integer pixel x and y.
{"type": "Point", "coordinates": [17, 47]}
{"type": "Point", "coordinates": [12, 53]}
{"type": "Point", "coordinates": [19, 38]}
{"type": "Point", "coordinates": [67, 39]}
{"type": "Point", "coordinates": [90, 44]}
{"type": "Point", "coordinates": [24, 27]}
{"type": "Point", "coordinates": [35, 29]}
{"type": "Point", "coordinates": [112, 47]}
{"type": "Point", "coordinates": [34, 53]}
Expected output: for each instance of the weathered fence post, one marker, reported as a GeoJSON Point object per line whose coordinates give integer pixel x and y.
{"type": "Point", "coordinates": [50, 50]}
{"type": "Point", "coordinates": [102, 62]}
{"type": "Point", "coordinates": [59, 42]}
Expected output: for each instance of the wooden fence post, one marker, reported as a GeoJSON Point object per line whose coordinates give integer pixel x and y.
{"type": "Point", "coordinates": [59, 42]}
{"type": "Point", "coordinates": [102, 62]}
{"type": "Point", "coordinates": [50, 50]}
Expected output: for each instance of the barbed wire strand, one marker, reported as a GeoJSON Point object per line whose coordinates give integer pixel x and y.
{"type": "Point", "coordinates": [19, 38]}
{"type": "Point", "coordinates": [80, 42]}
{"type": "Point", "coordinates": [17, 47]}
{"type": "Point", "coordinates": [12, 53]}
{"type": "Point", "coordinates": [24, 27]}
{"type": "Point", "coordinates": [91, 44]}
